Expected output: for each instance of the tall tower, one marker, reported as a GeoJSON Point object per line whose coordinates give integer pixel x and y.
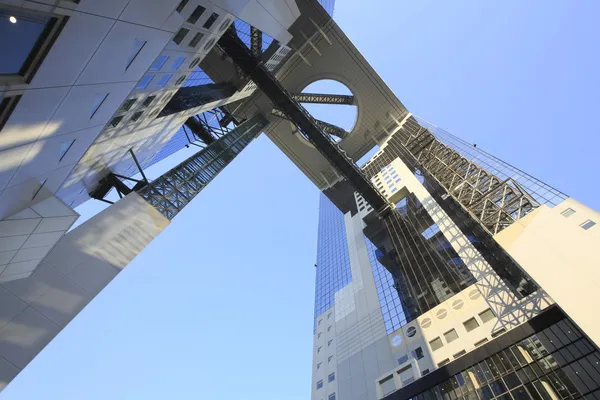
{"type": "Point", "coordinates": [450, 295]}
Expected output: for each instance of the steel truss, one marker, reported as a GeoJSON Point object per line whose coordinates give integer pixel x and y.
{"type": "Point", "coordinates": [173, 190]}
{"type": "Point", "coordinates": [323, 98]}
{"type": "Point", "coordinates": [494, 202]}
{"type": "Point", "coordinates": [325, 126]}
{"type": "Point", "coordinates": [256, 41]}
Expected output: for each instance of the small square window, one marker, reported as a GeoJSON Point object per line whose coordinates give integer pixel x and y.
{"type": "Point", "coordinates": [459, 354]}
{"type": "Point", "coordinates": [329, 343]}
{"type": "Point", "coordinates": [436, 344]}
{"type": "Point", "coordinates": [328, 328]}
{"type": "Point", "coordinates": [418, 353]}
{"type": "Point", "coordinates": [319, 335]}
{"type": "Point", "coordinates": [136, 116]}
{"type": "Point", "coordinates": [319, 322]}
{"type": "Point", "coordinates": [331, 396]}
{"type": "Point", "coordinates": [443, 362]}
{"type": "Point", "coordinates": [180, 80]}
{"type": "Point", "coordinates": [319, 366]}
{"type": "Point", "coordinates": [163, 80]}
{"type": "Point", "coordinates": [425, 371]}
{"type": "Point", "coordinates": [178, 62]}
{"type": "Point", "coordinates": [587, 224]}
{"type": "Point", "coordinates": [144, 82]}
{"type": "Point", "coordinates": [115, 121]}
{"type": "Point", "coordinates": [451, 336]}
{"type": "Point", "coordinates": [487, 315]}
{"type": "Point", "coordinates": [320, 384]}
{"type": "Point", "coordinates": [127, 104]}
{"type": "Point", "coordinates": [98, 101]}
{"type": "Point", "coordinates": [181, 5]}
{"type": "Point", "coordinates": [328, 315]}
{"type": "Point", "coordinates": [180, 35]}
{"type": "Point", "coordinates": [329, 358]}
{"type": "Point", "coordinates": [403, 359]}
{"type": "Point", "coordinates": [196, 15]}
{"type": "Point", "coordinates": [331, 377]}
{"type": "Point", "coordinates": [498, 332]}
{"type": "Point", "coordinates": [148, 101]}
{"type": "Point", "coordinates": [194, 62]}
{"type": "Point", "coordinates": [319, 349]}
{"type": "Point", "coordinates": [568, 212]}
{"type": "Point", "coordinates": [158, 64]}
{"type": "Point", "coordinates": [64, 148]}
{"type": "Point", "coordinates": [210, 21]}
{"type": "Point", "coordinates": [138, 45]}
{"type": "Point", "coordinates": [482, 341]}
{"type": "Point", "coordinates": [471, 324]}
{"type": "Point", "coordinates": [196, 39]}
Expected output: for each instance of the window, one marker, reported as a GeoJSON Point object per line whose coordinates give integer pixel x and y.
{"type": "Point", "coordinates": [115, 121]}
{"type": "Point", "coordinates": [224, 25]}
{"type": "Point", "coordinates": [451, 336]}
{"type": "Point", "coordinates": [329, 343]}
{"type": "Point", "coordinates": [318, 366]}
{"type": "Point", "coordinates": [587, 224]}
{"type": "Point", "coordinates": [568, 212]}
{"type": "Point", "coordinates": [430, 232]}
{"type": "Point", "coordinates": [64, 148]}
{"type": "Point", "coordinates": [319, 335]}
{"type": "Point", "coordinates": [138, 45]}
{"type": "Point", "coordinates": [144, 82]}
{"type": "Point", "coordinates": [319, 349]}
{"type": "Point", "coordinates": [331, 377]}
{"type": "Point", "coordinates": [460, 353]}
{"type": "Point", "coordinates": [328, 316]}
{"type": "Point", "coordinates": [487, 315]}
{"type": "Point", "coordinates": [181, 6]}
{"type": "Point", "coordinates": [387, 385]}
{"type": "Point", "coordinates": [436, 344]}
{"type": "Point", "coordinates": [163, 80]}
{"type": "Point", "coordinates": [196, 39]}
{"type": "Point", "coordinates": [196, 15]}
{"type": "Point", "coordinates": [320, 384]}
{"type": "Point", "coordinates": [471, 324]}
{"type": "Point", "coordinates": [418, 353]}
{"type": "Point", "coordinates": [498, 332]}
{"type": "Point", "coordinates": [128, 104]}
{"type": "Point", "coordinates": [443, 362]}
{"type": "Point", "coordinates": [194, 62]}
{"type": "Point", "coordinates": [25, 38]}
{"type": "Point", "coordinates": [403, 359]}
{"type": "Point", "coordinates": [158, 64]}
{"type": "Point", "coordinates": [411, 331]}
{"type": "Point", "coordinates": [180, 35]}
{"type": "Point", "coordinates": [482, 341]}
{"type": "Point", "coordinates": [331, 396]}
{"type": "Point", "coordinates": [210, 21]}
{"type": "Point", "coordinates": [328, 328]}
{"type": "Point", "coordinates": [209, 44]}
{"type": "Point", "coordinates": [180, 80]}
{"type": "Point", "coordinates": [100, 97]}
{"type": "Point", "coordinates": [148, 101]}
{"type": "Point", "coordinates": [425, 371]}
{"type": "Point", "coordinates": [319, 322]}
{"type": "Point", "coordinates": [7, 105]}
{"type": "Point", "coordinates": [329, 358]}
{"type": "Point", "coordinates": [136, 116]}
{"type": "Point", "coordinates": [178, 62]}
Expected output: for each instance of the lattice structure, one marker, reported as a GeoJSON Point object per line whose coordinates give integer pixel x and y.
{"type": "Point", "coordinates": [172, 191]}
{"type": "Point", "coordinates": [495, 202]}
{"type": "Point", "coordinates": [325, 126]}
{"type": "Point", "coordinates": [320, 98]}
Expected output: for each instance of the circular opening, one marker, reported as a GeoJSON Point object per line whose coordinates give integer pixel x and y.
{"type": "Point", "coordinates": [426, 323]}
{"type": "Point", "coordinates": [474, 294]}
{"type": "Point", "coordinates": [224, 25]}
{"type": "Point", "coordinates": [441, 314]}
{"type": "Point", "coordinates": [458, 304]}
{"type": "Point", "coordinates": [209, 44]}
{"type": "Point", "coordinates": [411, 331]}
{"type": "Point", "coordinates": [396, 340]}
{"type": "Point", "coordinates": [340, 115]}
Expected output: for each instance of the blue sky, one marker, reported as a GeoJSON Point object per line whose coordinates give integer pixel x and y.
{"type": "Point", "coordinates": [220, 305]}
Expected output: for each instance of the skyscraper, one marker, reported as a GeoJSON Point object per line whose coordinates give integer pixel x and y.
{"type": "Point", "coordinates": [431, 302]}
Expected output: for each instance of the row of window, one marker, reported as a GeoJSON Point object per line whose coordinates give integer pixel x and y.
{"type": "Point", "coordinates": [585, 225]}
{"type": "Point", "coordinates": [126, 106]}
{"type": "Point", "coordinates": [470, 325]}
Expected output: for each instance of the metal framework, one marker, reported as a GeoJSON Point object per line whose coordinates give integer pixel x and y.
{"type": "Point", "coordinates": [256, 41]}
{"type": "Point", "coordinates": [194, 96]}
{"type": "Point", "coordinates": [496, 203]}
{"type": "Point", "coordinates": [282, 99]}
{"type": "Point", "coordinates": [320, 98]}
{"type": "Point", "coordinates": [325, 126]}
{"type": "Point", "coordinates": [173, 190]}
{"type": "Point", "coordinates": [115, 181]}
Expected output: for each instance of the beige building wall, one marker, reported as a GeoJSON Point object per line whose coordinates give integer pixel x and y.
{"type": "Point", "coordinates": [562, 257]}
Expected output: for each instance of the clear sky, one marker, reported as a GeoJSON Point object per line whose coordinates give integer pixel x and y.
{"type": "Point", "coordinates": [220, 305]}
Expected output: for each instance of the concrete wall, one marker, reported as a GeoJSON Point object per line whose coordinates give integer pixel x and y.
{"type": "Point", "coordinates": [562, 257]}
{"type": "Point", "coordinates": [35, 309]}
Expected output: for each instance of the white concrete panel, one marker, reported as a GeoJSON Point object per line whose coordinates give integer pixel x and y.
{"type": "Point", "coordinates": [12, 242]}
{"type": "Point", "coordinates": [54, 224]}
{"type": "Point", "coordinates": [25, 214]}
{"type": "Point", "coordinates": [25, 336]}
{"type": "Point", "coordinates": [72, 50]}
{"type": "Point", "coordinates": [43, 279]}
{"type": "Point", "coordinates": [18, 269]}
{"type": "Point", "coordinates": [18, 227]}
{"type": "Point", "coordinates": [7, 372]}
{"type": "Point", "coordinates": [35, 253]}
{"type": "Point", "coordinates": [149, 13]}
{"type": "Point", "coordinates": [11, 160]}
{"type": "Point", "coordinates": [106, 8]}
{"type": "Point", "coordinates": [93, 276]}
{"type": "Point", "coordinates": [6, 256]}
{"type": "Point", "coordinates": [118, 47]}
{"type": "Point", "coordinates": [11, 306]}
{"type": "Point", "coordinates": [42, 239]}
{"type": "Point", "coordinates": [53, 207]}
{"type": "Point", "coordinates": [24, 126]}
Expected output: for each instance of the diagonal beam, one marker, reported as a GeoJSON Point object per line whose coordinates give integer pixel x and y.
{"type": "Point", "coordinates": [282, 99]}
{"type": "Point", "coordinates": [256, 41]}
{"type": "Point", "coordinates": [318, 98]}
{"type": "Point", "coordinates": [325, 126]}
